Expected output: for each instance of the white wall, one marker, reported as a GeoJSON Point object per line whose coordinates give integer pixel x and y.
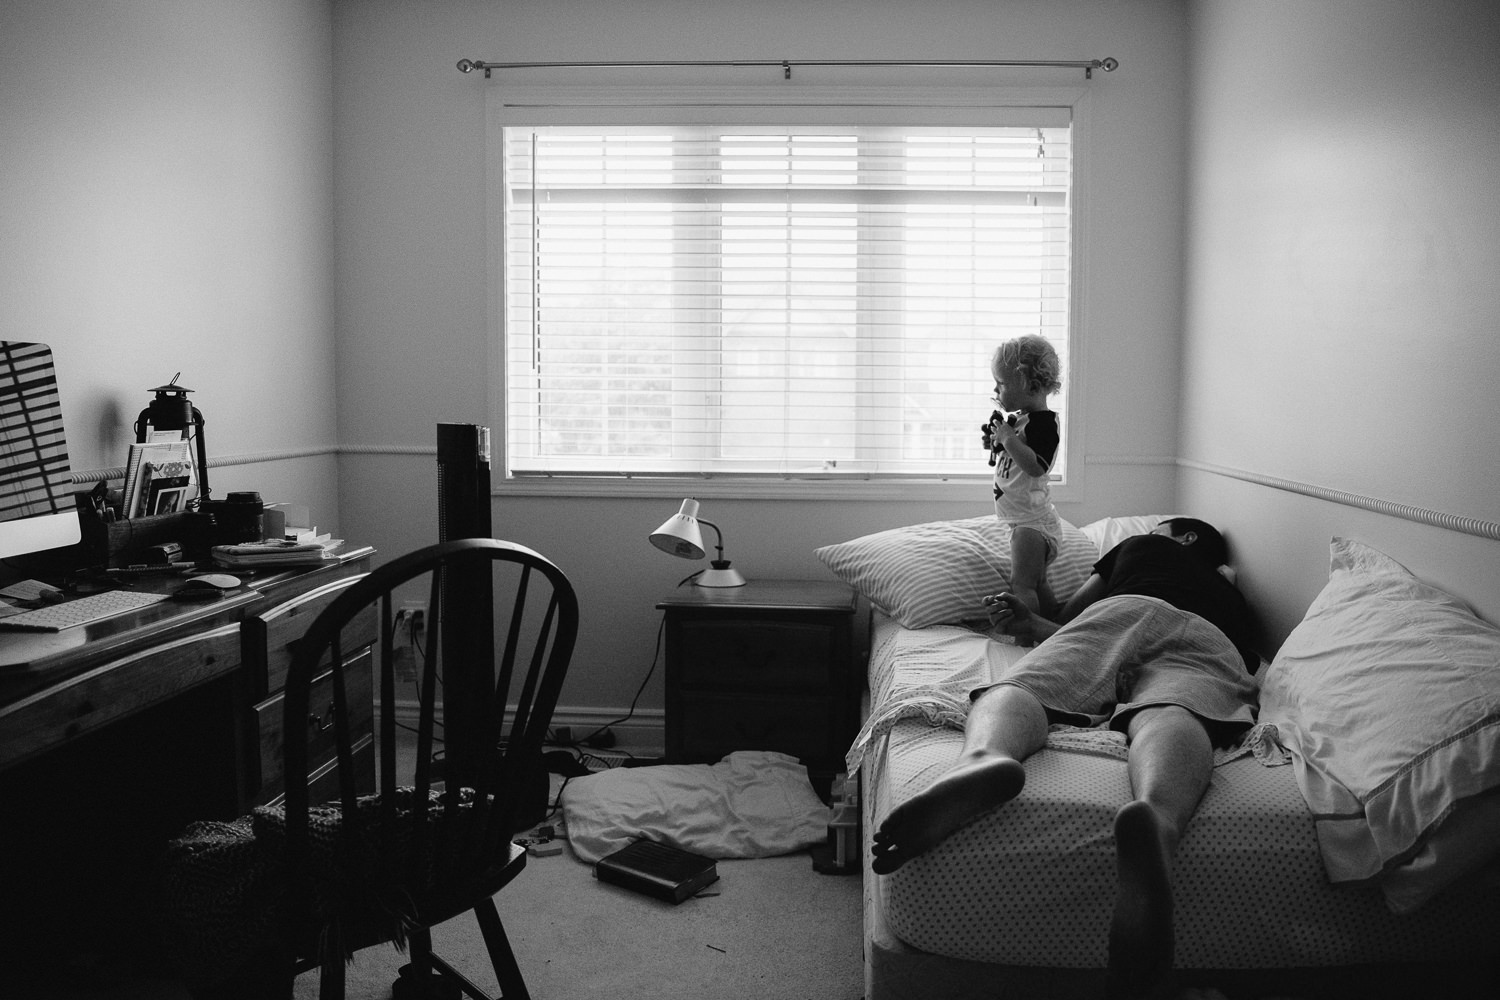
{"type": "Point", "coordinates": [165, 207]}
{"type": "Point", "coordinates": [1343, 313]}
{"type": "Point", "coordinates": [411, 253]}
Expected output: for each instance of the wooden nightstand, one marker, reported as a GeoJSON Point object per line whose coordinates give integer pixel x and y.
{"type": "Point", "coordinates": [767, 666]}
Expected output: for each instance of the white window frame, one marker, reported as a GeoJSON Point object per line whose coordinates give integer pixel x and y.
{"type": "Point", "coordinates": [587, 105]}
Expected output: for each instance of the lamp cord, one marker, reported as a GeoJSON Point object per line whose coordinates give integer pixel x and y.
{"type": "Point", "coordinates": [630, 712]}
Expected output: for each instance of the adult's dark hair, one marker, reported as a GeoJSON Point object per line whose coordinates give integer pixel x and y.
{"type": "Point", "coordinates": [1209, 544]}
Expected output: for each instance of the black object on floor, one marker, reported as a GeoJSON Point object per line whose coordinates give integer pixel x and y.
{"type": "Point", "coordinates": [658, 870]}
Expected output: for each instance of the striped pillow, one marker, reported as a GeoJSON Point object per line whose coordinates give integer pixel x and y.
{"type": "Point", "coordinates": [940, 572]}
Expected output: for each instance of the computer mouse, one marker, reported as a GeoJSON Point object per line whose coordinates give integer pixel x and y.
{"type": "Point", "coordinates": [210, 587]}
{"type": "Point", "coordinates": [224, 581]}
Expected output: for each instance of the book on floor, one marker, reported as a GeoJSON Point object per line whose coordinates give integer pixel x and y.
{"type": "Point", "coordinates": [658, 870]}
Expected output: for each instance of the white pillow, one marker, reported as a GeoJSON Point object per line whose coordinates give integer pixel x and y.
{"type": "Point", "coordinates": [1107, 532]}
{"type": "Point", "coordinates": [1388, 696]}
{"type": "Point", "coordinates": [939, 572]}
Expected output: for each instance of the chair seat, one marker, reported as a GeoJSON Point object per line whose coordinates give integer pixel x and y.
{"type": "Point", "coordinates": [225, 886]}
{"type": "Point", "coordinates": [437, 906]}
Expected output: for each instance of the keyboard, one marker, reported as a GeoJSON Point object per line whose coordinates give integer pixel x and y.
{"type": "Point", "coordinates": [80, 611]}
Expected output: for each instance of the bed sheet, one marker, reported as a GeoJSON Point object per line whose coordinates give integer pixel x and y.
{"type": "Point", "coordinates": [1032, 883]}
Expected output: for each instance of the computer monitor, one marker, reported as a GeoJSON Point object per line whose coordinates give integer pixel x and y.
{"type": "Point", "coordinates": [37, 508]}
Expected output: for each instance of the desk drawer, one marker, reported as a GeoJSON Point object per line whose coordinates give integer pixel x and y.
{"type": "Point", "coordinates": [268, 636]}
{"type": "Point", "coordinates": [358, 678]}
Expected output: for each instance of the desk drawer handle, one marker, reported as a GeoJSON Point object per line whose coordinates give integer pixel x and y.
{"type": "Point", "coordinates": [324, 724]}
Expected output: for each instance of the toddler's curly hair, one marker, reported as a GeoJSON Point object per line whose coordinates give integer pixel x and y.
{"type": "Point", "coordinates": [1034, 357]}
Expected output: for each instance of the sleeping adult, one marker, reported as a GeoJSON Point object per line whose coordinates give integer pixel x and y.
{"type": "Point", "coordinates": [1156, 644]}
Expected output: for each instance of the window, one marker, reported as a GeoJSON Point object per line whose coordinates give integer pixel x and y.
{"type": "Point", "coordinates": [789, 301]}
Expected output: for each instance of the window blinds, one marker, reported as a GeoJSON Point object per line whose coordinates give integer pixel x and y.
{"type": "Point", "coordinates": [771, 300]}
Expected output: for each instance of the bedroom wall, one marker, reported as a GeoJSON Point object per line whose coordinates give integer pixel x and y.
{"type": "Point", "coordinates": [166, 197]}
{"type": "Point", "coordinates": [1341, 305]}
{"type": "Point", "coordinates": [411, 249]}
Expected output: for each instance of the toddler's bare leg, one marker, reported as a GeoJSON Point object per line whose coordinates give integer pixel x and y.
{"type": "Point", "coordinates": [1028, 563]}
{"type": "Point", "coordinates": [1005, 726]}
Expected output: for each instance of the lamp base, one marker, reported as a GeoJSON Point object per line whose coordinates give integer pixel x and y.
{"type": "Point", "coordinates": [719, 575]}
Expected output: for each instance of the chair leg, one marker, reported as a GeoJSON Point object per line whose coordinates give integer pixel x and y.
{"type": "Point", "coordinates": [419, 947]}
{"type": "Point", "coordinates": [422, 978]}
{"type": "Point", "coordinates": [331, 978]}
{"type": "Point", "coordinates": [507, 972]}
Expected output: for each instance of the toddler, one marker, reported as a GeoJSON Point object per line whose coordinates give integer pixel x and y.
{"type": "Point", "coordinates": [1022, 437]}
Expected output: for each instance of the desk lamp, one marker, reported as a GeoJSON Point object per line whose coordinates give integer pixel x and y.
{"type": "Point", "coordinates": [680, 536]}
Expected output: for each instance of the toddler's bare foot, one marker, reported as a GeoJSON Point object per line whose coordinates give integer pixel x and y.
{"type": "Point", "coordinates": [974, 786]}
{"type": "Point", "coordinates": [1009, 614]}
{"type": "Point", "coordinates": [1030, 598]}
{"type": "Point", "coordinates": [1141, 939]}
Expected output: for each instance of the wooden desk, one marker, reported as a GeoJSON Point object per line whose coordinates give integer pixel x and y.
{"type": "Point", "coordinates": [115, 735]}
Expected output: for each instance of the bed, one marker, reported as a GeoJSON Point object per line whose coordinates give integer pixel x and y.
{"type": "Point", "coordinates": [1335, 852]}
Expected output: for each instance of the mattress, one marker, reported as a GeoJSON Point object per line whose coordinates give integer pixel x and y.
{"type": "Point", "coordinates": [1032, 882]}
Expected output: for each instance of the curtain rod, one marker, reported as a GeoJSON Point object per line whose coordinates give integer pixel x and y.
{"type": "Point", "coordinates": [1087, 65]}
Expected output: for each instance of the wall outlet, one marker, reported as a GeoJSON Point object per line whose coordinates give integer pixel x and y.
{"type": "Point", "coordinates": [411, 621]}
{"type": "Point", "coordinates": [412, 615]}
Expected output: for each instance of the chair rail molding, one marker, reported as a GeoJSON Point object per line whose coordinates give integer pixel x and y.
{"type": "Point", "coordinates": [1421, 515]}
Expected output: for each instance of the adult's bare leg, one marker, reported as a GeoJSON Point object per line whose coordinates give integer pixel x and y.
{"type": "Point", "coordinates": [1171, 761]}
{"type": "Point", "coordinates": [1005, 726]}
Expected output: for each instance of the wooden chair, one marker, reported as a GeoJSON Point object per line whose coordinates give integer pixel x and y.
{"type": "Point", "coordinates": [502, 621]}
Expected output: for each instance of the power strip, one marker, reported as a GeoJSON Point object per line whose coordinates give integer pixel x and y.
{"type": "Point", "coordinates": [604, 760]}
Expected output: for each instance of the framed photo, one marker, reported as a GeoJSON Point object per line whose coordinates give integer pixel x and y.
{"type": "Point", "coordinates": [170, 500]}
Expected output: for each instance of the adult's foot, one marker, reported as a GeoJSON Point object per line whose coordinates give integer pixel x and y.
{"type": "Point", "coordinates": [1141, 940]}
{"type": "Point", "coordinates": [975, 785]}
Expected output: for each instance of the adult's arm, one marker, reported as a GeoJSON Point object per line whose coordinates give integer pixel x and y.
{"type": "Point", "coordinates": [1007, 612]}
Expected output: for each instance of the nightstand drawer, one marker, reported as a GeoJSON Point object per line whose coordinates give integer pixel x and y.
{"type": "Point", "coordinates": [759, 655]}
{"type": "Point", "coordinates": [714, 725]}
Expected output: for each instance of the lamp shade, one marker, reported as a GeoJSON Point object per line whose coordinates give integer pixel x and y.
{"type": "Point", "coordinates": [680, 535]}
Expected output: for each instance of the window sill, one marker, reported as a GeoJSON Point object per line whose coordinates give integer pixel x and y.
{"type": "Point", "coordinates": [950, 490]}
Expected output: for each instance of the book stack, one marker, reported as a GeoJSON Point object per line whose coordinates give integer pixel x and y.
{"type": "Point", "coordinates": [659, 870]}
{"type": "Point", "coordinates": [276, 552]}
{"type": "Point", "coordinates": [159, 479]}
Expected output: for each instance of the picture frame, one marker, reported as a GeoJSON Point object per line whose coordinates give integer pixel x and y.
{"type": "Point", "coordinates": [170, 500]}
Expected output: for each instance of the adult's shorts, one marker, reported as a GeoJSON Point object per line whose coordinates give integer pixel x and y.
{"type": "Point", "coordinates": [1126, 653]}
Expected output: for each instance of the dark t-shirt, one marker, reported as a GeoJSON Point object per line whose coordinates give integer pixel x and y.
{"type": "Point", "coordinates": [1042, 435]}
{"type": "Point", "coordinates": [1156, 566]}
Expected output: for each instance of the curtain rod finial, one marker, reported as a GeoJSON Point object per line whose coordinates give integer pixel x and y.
{"type": "Point", "coordinates": [1109, 64]}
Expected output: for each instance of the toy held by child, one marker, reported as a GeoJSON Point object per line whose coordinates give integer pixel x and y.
{"type": "Point", "coordinates": [1022, 439]}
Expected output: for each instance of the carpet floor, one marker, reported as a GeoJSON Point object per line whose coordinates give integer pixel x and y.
{"type": "Point", "coordinates": [769, 929]}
